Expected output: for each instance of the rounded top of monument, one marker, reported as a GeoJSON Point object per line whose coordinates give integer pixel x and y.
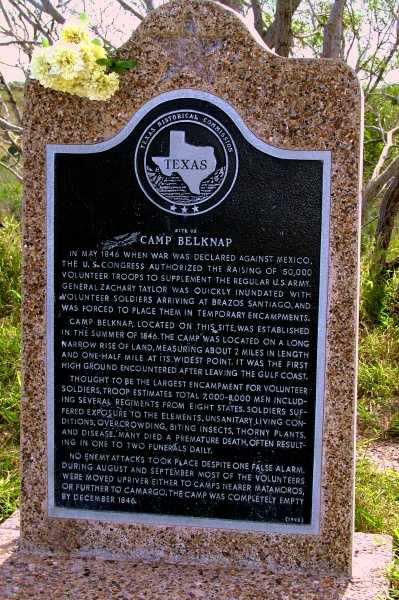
{"type": "Point", "coordinates": [195, 17]}
{"type": "Point", "coordinates": [193, 35]}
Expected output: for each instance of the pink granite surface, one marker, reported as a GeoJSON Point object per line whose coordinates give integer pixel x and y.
{"type": "Point", "coordinates": [289, 103]}
{"type": "Point", "coordinates": [29, 576]}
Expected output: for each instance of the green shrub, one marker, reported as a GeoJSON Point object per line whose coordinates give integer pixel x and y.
{"type": "Point", "coordinates": [378, 397]}
{"type": "Point", "coordinates": [379, 295]}
{"type": "Point", "coordinates": [9, 479]}
{"type": "Point", "coordinates": [9, 373]}
{"type": "Point", "coordinates": [10, 300]}
{"type": "Point", "coordinates": [377, 499]}
{"type": "Point", "coordinates": [378, 385]}
{"type": "Point", "coordinates": [377, 509]}
{"type": "Point", "coordinates": [10, 269]}
{"type": "Point", "coordinates": [10, 196]}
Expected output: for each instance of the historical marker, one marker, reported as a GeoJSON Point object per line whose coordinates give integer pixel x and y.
{"type": "Point", "coordinates": [190, 304]}
{"type": "Point", "coordinates": [187, 292]}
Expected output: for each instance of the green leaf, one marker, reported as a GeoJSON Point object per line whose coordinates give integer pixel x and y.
{"type": "Point", "coordinates": [45, 43]}
{"type": "Point", "coordinates": [97, 42]}
{"type": "Point", "coordinates": [105, 62]}
{"type": "Point", "coordinates": [84, 18]}
{"type": "Point", "coordinates": [117, 65]}
{"type": "Point", "coordinates": [14, 150]}
{"type": "Point", "coordinates": [126, 64]}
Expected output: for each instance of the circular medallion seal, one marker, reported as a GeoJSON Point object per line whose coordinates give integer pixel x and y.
{"type": "Point", "coordinates": [186, 162]}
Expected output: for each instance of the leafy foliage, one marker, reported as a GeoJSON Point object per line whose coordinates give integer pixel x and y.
{"type": "Point", "coordinates": [10, 196]}
{"type": "Point", "coordinates": [10, 381]}
{"type": "Point", "coordinates": [115, 65]}
{"type": "Point", "coordinates": [10, 269]}
{"type": "Point", "coordinates": [377, 494]}
{"type": "Point", "coordinates": [379, 382]}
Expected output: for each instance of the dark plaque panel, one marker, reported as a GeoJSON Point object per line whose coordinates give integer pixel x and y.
{"type": "Point", "coordinates": [186, 323]}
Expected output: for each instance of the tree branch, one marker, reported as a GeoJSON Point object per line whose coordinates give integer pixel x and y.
{"type": "Point", "coordinates": [279, 34]}
{"type": "Point", "coordinates": [385, 63]}
{"type": "Point", "coordinates": [18, 43]}
{"type": "Point", "coordinates": [11, 170]}
{"type": "Point", "coordinates": [7, 126]}
{"type": "Point", "coordinates": [7, 141]}
{"type": "Point", "coordinates": [5, 15]}
{"type": "Point", "coordinates": [332, 42]}
{"type": "Point", "coordinates": [389, 142]}
{"type": "Point", "coordinates": [130, 9]}
{"type": "Point", "coordinates": [386, 220]}
{"type": "Point", "coordinates": [258, 18]}
{"type": "Point", "coordinates": [149, 5]}
{"type": "Point", "coordinates": [234, 4]}
{"type": "Point", "coordinates": [374, 186]}
{"type": "Point", "coordinates": [48, 7]}
{"type": "Point", "coordinates": [29, 17]}
{"type": "Point", "coordinates": [107, 43]}
{"type": "Point", "coordinates": [11, 99]}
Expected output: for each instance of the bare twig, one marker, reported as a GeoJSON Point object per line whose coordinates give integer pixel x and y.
{"type": "Point", "coordinates": [11, 99]}
{"type": "Point", "coordinates": [106, 42]}
{"type": "Point", "coordinates": [30, 17]}
{"type": "Point", "coordinates": [375, 185]}
{"type": "Point", "coordinates": [149, 4]}
{"type": "Point", "coordinates": [385, 63]}
{"type": "Point", "coordinates": [48, 7]}
{"type": "Point", "coordinates": [5, 15]}
{"type": "Point", "coordinates": [388, 138]}
{"type": "Point", "coordinates": [130, 9]}
{"type": "Point", "coordinates": [19, 43]}
{"type": "Point", "coordinates": [7, 126]}
{"type": "Point", "coordinates": [11, 170]}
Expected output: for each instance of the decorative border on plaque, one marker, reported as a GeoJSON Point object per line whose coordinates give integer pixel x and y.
{"type": "Point", "coordinates": [322, 156]}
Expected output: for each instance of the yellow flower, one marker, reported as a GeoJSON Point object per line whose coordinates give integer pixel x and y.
{"type": "Point", "coordinates": [98, 51]}
{"type": "Point", "coordinates": [74, 33]}
{"type": "Point", "coordinates": [102, 86]}
{"type": "Point", "coordinates": [70, 65]}
{"type": "Point", "coordinates": [40, 64]}
{"type": "Point", "coordinates": [91, 52]}
{"type": "Point", "coordinates": [66, 61]}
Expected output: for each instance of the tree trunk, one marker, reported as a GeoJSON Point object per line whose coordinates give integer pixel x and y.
{"type": "Point", "coordinates": [283, 30]}
{"type": "Point", "coordinates": [332, 42]}
{"type": "Point", "coordinates": [381, 271]}
{"type": "Point", "coordinates": [386, 222]}
{"type": "Point", "coordinates": [234, 4]}
{"type": "Point", "coordinates": [278, 35]}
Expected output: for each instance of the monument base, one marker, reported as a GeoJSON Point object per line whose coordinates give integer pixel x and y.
{"type": "Point", "coordinates": [26, 576]}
